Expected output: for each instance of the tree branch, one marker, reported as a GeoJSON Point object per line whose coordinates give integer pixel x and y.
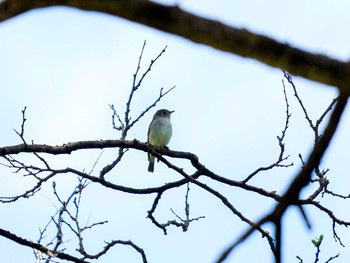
{"type": "Point", "coordinates": [172, 19]}
{"type": "Point", "coordinates": [291, 197]}
{"type": "Point", "coordinates": [39, 247]}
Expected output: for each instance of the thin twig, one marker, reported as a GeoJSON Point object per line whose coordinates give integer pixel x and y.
{"type": "Point", "coordinates": [300, 181]}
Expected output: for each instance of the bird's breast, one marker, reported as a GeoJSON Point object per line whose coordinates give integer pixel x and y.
{"type": "Point", "coordinates": [160, 132]}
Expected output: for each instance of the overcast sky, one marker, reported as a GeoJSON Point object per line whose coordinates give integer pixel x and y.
{"type": "Point", "coordinates": [68, 65]}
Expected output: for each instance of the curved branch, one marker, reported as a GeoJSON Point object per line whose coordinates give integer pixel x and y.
{"type": "Point", "coordinates": [174, 20]}
{"type": "Point", "coordinates": [109, 245]}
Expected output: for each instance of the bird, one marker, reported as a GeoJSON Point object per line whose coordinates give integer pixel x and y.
{"type": "Point", "coordinates": [159, 133]}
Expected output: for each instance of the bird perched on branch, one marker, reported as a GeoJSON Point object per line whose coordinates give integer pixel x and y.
{"type": "Point", "coordinates": [159, 132]}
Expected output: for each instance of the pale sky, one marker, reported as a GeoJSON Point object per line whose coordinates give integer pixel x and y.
{"type": "Point", "coordinates": [67, 65]}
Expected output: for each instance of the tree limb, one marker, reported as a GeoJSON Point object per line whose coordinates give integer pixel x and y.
{"type": "Point", "coordinates": [291, 196]}
{"type": "Point", "coordinates": [172, 19]}
{"type": "Point", "coordinates": [39, 247]}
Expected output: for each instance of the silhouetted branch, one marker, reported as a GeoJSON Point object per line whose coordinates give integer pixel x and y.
{"type": "Point", "coordinates": [327, 191]}
{"type": "Point", "coordinates": [128, 123]}
{"type": "Point", "coordinates": [36, 246]}
{"type": "Point", "coordinates": [68, 212]}
{"type": "Point", "coordinates": [28, 170]}
{"type": "Point", "coordinates": [21, 134]}
{"type": "Point", "coordinates": [112, 243]}
{"type": "Point", "coordinates": [176, 21]}
{"type": "Point", "coordinates": [281, 157]}
{"type": "Point", "coordinates": [317, 243]}
{"type": "Point", "coordinates": [135, 86]}
{"type": "Point", "coordinates": [161, 95]}
{"type": "Point", "coordinates": [286, 200]}
{"type": "Point", "coordinates": [314, 127]}
{"type": "Point", "coordinates": [304, 177]}
{"type": "Point", "coordinates": [291, 197]}
{"type": "Point", "coordinates": [184, 223]}
{"type": "Point", "coordinates": [68, 215]}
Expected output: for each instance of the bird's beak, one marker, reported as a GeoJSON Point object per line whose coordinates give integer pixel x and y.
{"type": "Point", "coordinates": [172, 111]}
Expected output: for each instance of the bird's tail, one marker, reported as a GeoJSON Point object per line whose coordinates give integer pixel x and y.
{"type": "Point", "coordinates": [151, 163]}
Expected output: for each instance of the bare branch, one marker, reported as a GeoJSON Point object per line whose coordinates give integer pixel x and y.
{"type": "Point", "coordinates": [224, 200]}
{"type": "Point", "coordinates": [184, 223]}
{"type": "Point", "coordinates": [291, 197]}
{"type": "Point", "coordinates": [114, 116]}
{"type": "Point", "coordinates": [331, 258]}
{"type": "Point", "coordinates": [112, 243]}
{"type": "Point", "coordinates": [161, 95]}
{"type": "Point", "coordinates": [281, 158]}
{"type": "Point", "coordinates": [38, 247]}
{"type": "Point", "coordinates": [30, 171]}
{"type": "Point", "coordinates": [21, 134]}
{"type": "Point", "coordinates": [67, 215]}
{"type": "Point", "coordinates": [326, 191]}
{"type": "Point", "coordinates": [128, 124]}
{"type": "Point", "coordinates": [322, 180]}
{"type": "Point", "coordinates": [176, 21]}
{"type": "Point", "coordinates": [324, 114]}
{"type": "Point", "coordinates": [109, 167]}
{"type": "Point", "coordinates": [135, 86]}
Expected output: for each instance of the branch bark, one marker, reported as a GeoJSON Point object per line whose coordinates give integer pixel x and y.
{"type": "Point", "coordinates": [68, 148]}
{"type": "Point", "coordinates": [172, 19]}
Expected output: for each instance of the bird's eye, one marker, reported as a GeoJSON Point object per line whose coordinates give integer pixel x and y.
{"type": "Point", "coordinates": [164, 112]}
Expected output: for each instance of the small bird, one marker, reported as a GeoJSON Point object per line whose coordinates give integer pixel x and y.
{"type": "Point", "coordinates": [159, 132]}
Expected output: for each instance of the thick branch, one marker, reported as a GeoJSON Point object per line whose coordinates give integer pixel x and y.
{"type": "Point", "coordinates": [241, 42]}
{"type": "Point", "coordinates": [68, 148]}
